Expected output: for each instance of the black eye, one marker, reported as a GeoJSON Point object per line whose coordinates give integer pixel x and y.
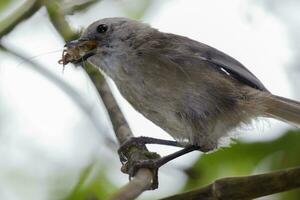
{"type": "Point", "coordinates": [101, 28]}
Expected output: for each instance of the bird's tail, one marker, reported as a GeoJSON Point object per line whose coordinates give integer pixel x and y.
{"type": "Point", "coordinates": [283, 109]}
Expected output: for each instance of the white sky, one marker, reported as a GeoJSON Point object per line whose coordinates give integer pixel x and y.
{"type": "Point", "coordinates": [43, 131]}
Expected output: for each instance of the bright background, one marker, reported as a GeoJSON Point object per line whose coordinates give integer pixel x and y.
{"type": "Point", "coordinates": [47, 141]}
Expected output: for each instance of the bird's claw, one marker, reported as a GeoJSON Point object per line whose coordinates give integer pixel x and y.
{"type": "Point", "coordinates": [144, 158]}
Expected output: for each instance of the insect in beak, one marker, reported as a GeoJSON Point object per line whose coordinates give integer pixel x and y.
{"type": "Point", "coordinates": [77, 51]}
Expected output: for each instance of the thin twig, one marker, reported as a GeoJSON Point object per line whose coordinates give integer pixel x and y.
{"type": "Point", "coordinates": [246, 187]}
{"type": "Point", "coordinates": [25, 11]}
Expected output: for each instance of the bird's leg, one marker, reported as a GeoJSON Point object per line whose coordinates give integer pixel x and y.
{"type": "Point", "coordinates": [141, 142]}
{"type": "Point", "coordinates": [165, 159]}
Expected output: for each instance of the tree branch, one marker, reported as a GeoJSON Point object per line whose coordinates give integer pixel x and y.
{"type": "Point", "coordinates": [25, 11]}
{"type": "Point", "coordinates": [246, 187]}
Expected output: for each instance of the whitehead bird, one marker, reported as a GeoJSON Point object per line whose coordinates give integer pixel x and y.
{"type": "Point", "coordinates": [194, 92]}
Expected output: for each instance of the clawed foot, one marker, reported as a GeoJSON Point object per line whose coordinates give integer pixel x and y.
{"type": "Point", "coordinates": [140, 157]}
{"type": "Point", "coordinates": [134, 155]}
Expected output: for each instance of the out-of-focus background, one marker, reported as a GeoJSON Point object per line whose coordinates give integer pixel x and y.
{"type": "Point", "coordinates": [56, 140]}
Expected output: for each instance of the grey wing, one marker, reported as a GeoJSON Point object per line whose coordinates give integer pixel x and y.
{"type": "Point", "coordinates": [225, 63]}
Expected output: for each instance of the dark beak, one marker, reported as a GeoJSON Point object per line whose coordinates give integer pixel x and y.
{"type": "Point", "coordinates": [75, 43]}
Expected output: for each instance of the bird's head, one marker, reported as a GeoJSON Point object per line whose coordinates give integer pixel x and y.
{"type": "Point", "coordinates": [102, 36]}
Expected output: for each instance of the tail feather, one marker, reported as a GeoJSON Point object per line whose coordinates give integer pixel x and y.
{"type": "Point", "coordinates": [283, 109]}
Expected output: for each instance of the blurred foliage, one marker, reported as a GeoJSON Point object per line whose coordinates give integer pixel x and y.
{"type": "Point", "coordinates": [248, 158]}
{"type": "Point", "coordinates": [4, 4]}
{"type": "Point", "coordinates": [92, 186]}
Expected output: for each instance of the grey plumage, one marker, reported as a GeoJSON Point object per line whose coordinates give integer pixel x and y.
{"type": "Point", "coordinates": [193, 91]}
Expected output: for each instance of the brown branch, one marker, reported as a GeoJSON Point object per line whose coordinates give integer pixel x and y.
{"type": "Point", "coordinates": [25, 11]}
{"type": "Point", "coordinates": [246, 187]}
{"type": "Point", "coordinates": [143, 177]}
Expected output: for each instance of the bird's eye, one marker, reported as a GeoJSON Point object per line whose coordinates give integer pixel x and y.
{"type": "Point", "coordinates": [101, 28]}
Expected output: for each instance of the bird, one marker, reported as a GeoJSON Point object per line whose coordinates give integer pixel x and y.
{"type": "Point", "coordinates": [193, 91]}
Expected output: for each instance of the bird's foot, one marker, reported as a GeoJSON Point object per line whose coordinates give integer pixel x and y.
{"type": "Point", "coordinates": [134, 155]}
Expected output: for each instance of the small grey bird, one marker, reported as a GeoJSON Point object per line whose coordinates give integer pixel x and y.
{"type": "Point", "coordinates": [191, 90]}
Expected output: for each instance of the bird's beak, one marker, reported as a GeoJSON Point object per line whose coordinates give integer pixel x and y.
{"type": "Point", "coordinates": [77, 51]}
